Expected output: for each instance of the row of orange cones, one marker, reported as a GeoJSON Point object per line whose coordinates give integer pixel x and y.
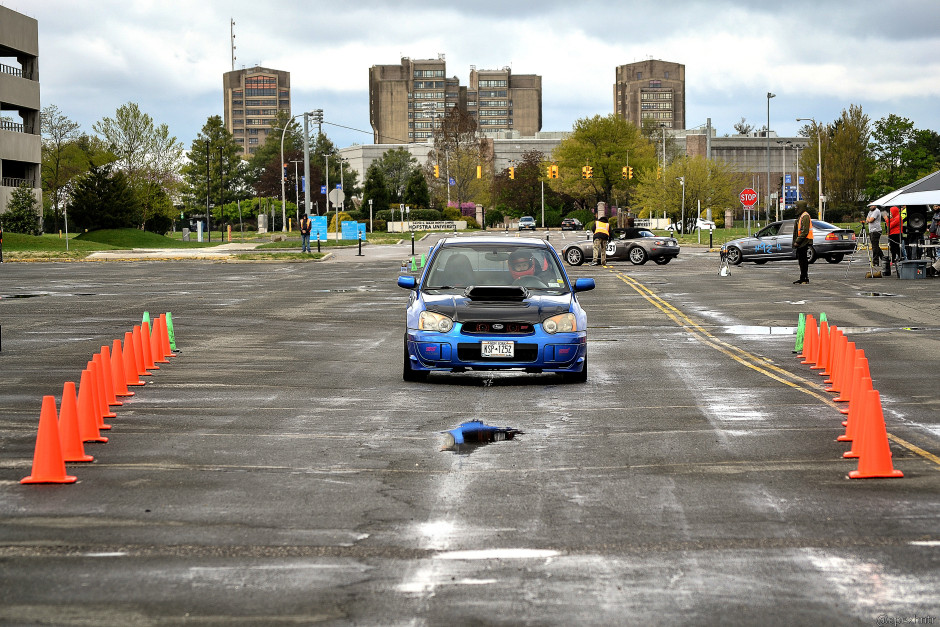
{"type": "Point", "coordinates": [61, 437]}
{"type": "Point", "coordinates": [827, 350]}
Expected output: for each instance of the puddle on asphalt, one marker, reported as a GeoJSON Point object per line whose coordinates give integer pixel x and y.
{"type": "Point", "coordinates": [472, 434]}
{"type": "Point", "coordinates": [878, 294]}
{"type": "Point", "coordinates": [21, 295]}
{"type": "Point", "coordinates": [741, 329]}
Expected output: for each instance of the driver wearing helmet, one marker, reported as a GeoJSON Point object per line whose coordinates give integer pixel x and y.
{"type": "Point", "coordinates": [521, 264]}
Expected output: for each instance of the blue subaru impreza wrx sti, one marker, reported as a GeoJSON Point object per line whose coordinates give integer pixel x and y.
{"type": "Point", "coordinates": [488, 303]}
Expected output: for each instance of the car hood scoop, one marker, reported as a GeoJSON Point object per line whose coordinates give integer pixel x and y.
{"type": "Point", "coordinates": [532, 309]}
{"type": "Point", "coordinates": [497, 293]}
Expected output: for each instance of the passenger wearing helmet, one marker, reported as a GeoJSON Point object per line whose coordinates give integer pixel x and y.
{"type": "Point", "coordinates": [521, 264]}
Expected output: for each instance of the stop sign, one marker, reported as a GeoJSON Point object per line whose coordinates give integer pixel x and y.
{"type": "Point", "coordinates": [748, 197]}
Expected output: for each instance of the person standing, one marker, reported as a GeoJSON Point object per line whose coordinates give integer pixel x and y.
{"type": "Point", "coordinates": [802, 239]}
{"type": "Point", "coordinates": [894, 233]}
{"type": "Point", "coordinates": [601, 237]}
{"type": "Point", "coordinates": [874, 219]}
{"type": "Point", "coordinates": [305, 226]}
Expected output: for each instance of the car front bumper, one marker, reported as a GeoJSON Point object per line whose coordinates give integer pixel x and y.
{"type": "Point", "coordinates": [540, 351]}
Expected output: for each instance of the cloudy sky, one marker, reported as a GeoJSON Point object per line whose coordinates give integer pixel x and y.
{"type": "Point", "coordinates": [818, 56]}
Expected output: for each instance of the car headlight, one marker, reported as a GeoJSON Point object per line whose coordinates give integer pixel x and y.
{"type": "Point", "coordinates": [430, 321]}
{"type": "Point", "coordinates": [564, 323]}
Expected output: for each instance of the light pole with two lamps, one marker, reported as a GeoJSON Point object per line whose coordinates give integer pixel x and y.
{"type": "Point", "coordinates": [767, 135]}
{"type": "Point", "coordinates": [783, 177]}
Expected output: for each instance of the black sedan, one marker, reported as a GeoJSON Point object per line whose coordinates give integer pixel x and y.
{"type": "Point", "coordinates": [635, 245]}
{"type": "Point", "coordinates": [774, 242]}
{"type": "Point", "coordinates": [571, 224]}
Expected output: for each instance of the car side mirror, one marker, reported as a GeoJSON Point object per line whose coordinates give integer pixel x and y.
{"type": "Point", "coordinates": [407, 282]}
{"type": "Point", "coordinates": [584, 285]}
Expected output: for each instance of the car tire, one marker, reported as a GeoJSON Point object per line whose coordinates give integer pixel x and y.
{"type": "Point", "coordinates": [661, 261]}
{"type": "Point", "coordinates": [574, 256]}
{"type": "Point", "coordinates": [637, 256]}
{"type": "Point", "coordinates": [835, 257]}
{"type": "Point", "coordinates": [578, 377]}
{"type": "Point", "coordinates": [811, 255]}
{"type": "Point", "coordinates": [734, 256]}
{"type": "Point", "coordinates": [409, 374]}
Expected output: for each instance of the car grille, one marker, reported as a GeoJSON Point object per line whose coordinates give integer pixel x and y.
{"type": "Point", "coordinates": [497, 328]}
{"type": "Point", "coordinates": [523, 352]}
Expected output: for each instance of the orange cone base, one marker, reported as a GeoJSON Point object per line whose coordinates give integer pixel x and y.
{"type": "Point", "coordinates": [830, 389]}
{"type": "Point", "coordinates": [844, 410]}
{"type": "Point", "coordinates": [104, 427]}
{"type": "Point", "coordinates": [843, 438]}
{"type": "Point", "coordinates": [129, 393]}
{"type": "Point", "coordinates": [841, 400]}
{"type": "Point", "coordinates": [100, 440]}
{"type": "Point", "coordinates": [65, 479]}
{"type": "Point", "coordinates": [845, 423]}
{"type": "Point", "coordinates": [891, 475]}
{"type": "Point", "coordinates": [850, 455]}
{"type": "Point", "coordinates": [83, 459]}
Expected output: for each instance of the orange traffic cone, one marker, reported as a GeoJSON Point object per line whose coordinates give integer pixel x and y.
{"type": "Point", "coordinates": [145, 340]}
{"type": "Point", "coordinates": [165, 337]}
{"type": "Point", "coordinates": [139, 353]}
{"type": "Point", "coordinates": [119, 379]}
{"type": "Point", "coordinates": [69, 436]}
{"type": "Point", "coordinates": [874, 458]}
{"type": "Point", "coordinates": [836, 342]}
{"type": "Point", "coordinates": [860, 362]}
{"type": "Point", "coordinates": [810, 339]}
{"type": "Point", "coordinates": [822, 350]}
{"type": "Point", "coordinates": [48, 463]}
{"type": "Point", "coordinates": [131, 371]}
{"type": "Point", "coordinates": [87, 414]}
{"type": "Point", "coordinates": [839, 347]}
{"type": "Point", "coordinates": [845, 379]}
{"type": "Point", "coordinates": [102, 392]}
{"type": "Point", "coordinates": [156, 346]}
{"type": "Point", "coordinates": [92, 368]}
{"type": "Point", "coordinates": [857, 408]}
{"type": "Point", "coordinates": [109, 377]}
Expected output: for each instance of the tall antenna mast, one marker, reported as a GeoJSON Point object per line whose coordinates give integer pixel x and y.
{"type": "Point", "coordinates": [232, 31]}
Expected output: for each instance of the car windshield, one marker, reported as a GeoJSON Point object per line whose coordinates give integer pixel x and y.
{"type": "Point", "coordinates": [458, 267]}
{"type": "Point", "coordinates": [825, 226]}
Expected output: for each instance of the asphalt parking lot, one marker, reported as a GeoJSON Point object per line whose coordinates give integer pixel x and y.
{"type": "Point", "coordinates": [278, 471]}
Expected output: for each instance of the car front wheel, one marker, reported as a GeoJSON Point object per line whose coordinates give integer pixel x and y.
{"type": "Point", "coordinates": [637, 256]}
{"type": "Point", "coordinates": [409, 374]}
{"type": "Point", "coordinates": [811, 255]}
{"type": "Point", "coordinates": [574, 256]}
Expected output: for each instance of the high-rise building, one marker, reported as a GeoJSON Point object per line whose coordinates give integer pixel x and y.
{"type": "Point", "coordinates": [651, 90]}
{"type": "Point", "coordinates": [406, 101]}
{"type": "Point", "coordinates": [20, 131]}
{"type": "Point", "coordinates": [253, 97]}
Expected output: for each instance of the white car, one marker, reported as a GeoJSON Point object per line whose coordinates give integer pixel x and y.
{"type": "Point", "coordinates": [703, 224]}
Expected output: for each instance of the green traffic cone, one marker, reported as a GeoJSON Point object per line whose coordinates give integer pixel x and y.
{"type": "Point", "coordinates": [169, 330]}
{"type": "Point", "coordinates": [800, 329]}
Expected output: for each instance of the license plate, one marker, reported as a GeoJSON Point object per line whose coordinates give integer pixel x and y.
{"type": "Point", "coordinates": [497, 349]}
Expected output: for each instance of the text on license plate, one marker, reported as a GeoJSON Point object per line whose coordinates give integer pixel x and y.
{"type": "Point", "coordinates": [497, 349]}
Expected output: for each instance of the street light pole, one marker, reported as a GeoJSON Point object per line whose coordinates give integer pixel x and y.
{"type": "Point", "coordinates": [682, 224]}
{"type": "Point", "coordinates": [297, 191]}
{"type": "Point", "coordinates": [783, 177]}
{"type": "Point", "coordinates": [767, 136]}
{"type": "Point", "coordinates": [818, 163]}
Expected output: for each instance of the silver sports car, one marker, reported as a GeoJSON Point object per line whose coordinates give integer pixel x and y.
{"type": "Point", "coordinates": [636, 245]}
{"type": "Point", "coordinates": [774, 242]}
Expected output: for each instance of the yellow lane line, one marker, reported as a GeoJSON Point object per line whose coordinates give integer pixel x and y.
{"type": "Point", "coordinates": [748, 359]}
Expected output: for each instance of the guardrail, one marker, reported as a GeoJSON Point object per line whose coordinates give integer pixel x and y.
{"type": "Point", "coordinates": [16, 127]}
{"type": "Point", "coordinates": [9, 69]}
{"type": "Point", "coordinates": [9, 181]}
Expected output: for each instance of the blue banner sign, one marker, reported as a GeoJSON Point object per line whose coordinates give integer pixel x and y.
{"type": "Point", "coordinates": [318, 226]}
{"type": "Point", "coordinates": [351, 229]}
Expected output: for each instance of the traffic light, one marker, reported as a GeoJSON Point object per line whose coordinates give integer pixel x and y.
{"type": "Point", "coordinates": [584, 172]}
{"type": "Point", "coordinates": [623, 172]}
{"type": "Point", "coordinates": [437, 172]}
{"type": "Point", "coordinates": [479, 171]}
{"type": "Point", "coordinates": [659, 172]}
{"type": "Point", "coordinates": [553, 171]}
{"type": "Point", "coordinates": [587, 172]}
{"type": "Point", "coordinates": [512, 172]}
{"type": "Point", "coordinates": [630, 172]}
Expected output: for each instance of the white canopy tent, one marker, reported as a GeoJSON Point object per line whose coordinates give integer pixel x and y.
{"type": "Point", "coordinates": [925, 191]}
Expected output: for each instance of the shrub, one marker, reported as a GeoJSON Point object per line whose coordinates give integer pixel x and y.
{"type": "Point", "coordinates": [22, 214]}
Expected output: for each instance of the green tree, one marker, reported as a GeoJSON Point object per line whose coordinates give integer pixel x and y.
{"type": "Point", "coordinates": [901, 153]}
{"type": "Point", "coordinates": [522, 195]}
{"type": "Point", "coordinates": [711, 183]}
{"type": "Point", "coordinates": [849, 160]}
{"type": "Point", "coordinates": [22, 211]}
{"type": "Point", "coordinates": [398, 166]}
{"type": "Point", "coordinates": [607, 145]}
{"type": "Point", "coordinates": [147, 154]}
{"type": "Point", "coordinates": [103, 199]}
{"type": "Point", "coordinates": [458, 152]}
{"type": "Point", "coordinates": [58, 136]}
{"type": "Point", "coordinates": [213, 169]}
{"type": "Point", "coordinates": [374, 188]}
{"type": "Point", "coordinates": [416, 191]}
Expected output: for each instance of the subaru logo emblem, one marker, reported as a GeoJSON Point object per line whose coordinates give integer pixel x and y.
{"type": "Point", "coordinates": [497, 327]}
